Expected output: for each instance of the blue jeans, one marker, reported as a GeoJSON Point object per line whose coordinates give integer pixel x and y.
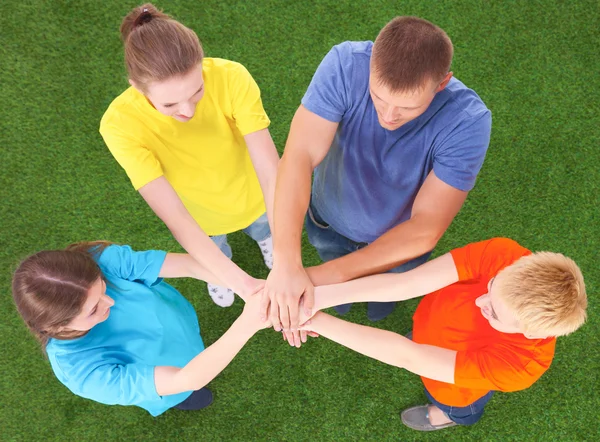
{"type": "Point", "coordinates": [259, 230]}
{"type": "Point", "coordinates": [331, 245]}
{"type": "Point", "coordinates": [463, 415]}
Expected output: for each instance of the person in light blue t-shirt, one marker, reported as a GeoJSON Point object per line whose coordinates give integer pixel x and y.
{"type": "Point", "coordinates": [396, 144]}
{"type": "Point", "coordinates": [116, 333]}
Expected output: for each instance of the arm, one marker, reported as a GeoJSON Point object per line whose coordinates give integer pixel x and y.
{"type": "Point", "coordinates": [308, 142]}
{"type": "Point", "coordinates": [435, 206]}
{"type": "Point", "coordinates": [165, 202]}
{"type": "Point", "coordinates": [427, 278]}
{"type": "Point", "coordinates": [265, 159]}
{"type": "Point", "coordinates": [209, 363]}
{"type": "Point", "coordinates": [393, 349]}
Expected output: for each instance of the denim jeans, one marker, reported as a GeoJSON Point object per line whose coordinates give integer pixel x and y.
{"type": "Point", "coordinates": [463, 415]}
{"type": "Point", "coordinates": [331, 245]}
{"type": "Point", "coordinates": [259, 230]}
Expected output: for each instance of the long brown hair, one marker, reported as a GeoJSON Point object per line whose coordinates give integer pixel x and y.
{"type": "Point", "coordinates": [157, 47]}
{"type": "Point", "coordinates": [50, 287]}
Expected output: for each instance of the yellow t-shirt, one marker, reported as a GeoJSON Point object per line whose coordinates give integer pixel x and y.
{"type": "Point", "coordinates": [206, 159]}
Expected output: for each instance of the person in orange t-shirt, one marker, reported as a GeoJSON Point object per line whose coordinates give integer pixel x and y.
{"type": "Point", "coordinates": [489, 323]}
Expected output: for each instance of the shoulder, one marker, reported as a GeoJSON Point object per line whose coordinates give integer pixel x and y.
{"type": "Point", "coordinates": [487, 257]}
{"type": "Point", "coordinates": [122, 109]}
{"type": "Point", "coordinates": [221, 67]}
{"type": "Point", "coordinates": [349, 56]}
{"type": "Point", "coordinates": [460, 107]}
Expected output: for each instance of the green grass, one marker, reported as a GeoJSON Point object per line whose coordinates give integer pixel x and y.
{"type": "Point", "coordinates": [535, 65]}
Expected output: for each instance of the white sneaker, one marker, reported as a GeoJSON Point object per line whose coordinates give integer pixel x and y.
{"type": "Point", "coordinates": [222, 296]}
{"type": "Point", "coordinates": [266, 247]}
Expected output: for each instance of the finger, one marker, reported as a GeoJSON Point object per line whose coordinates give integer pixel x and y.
{"type": "Point", "coordinates": [313, 334]}
{"type": "Point", "coordinates": [309, 300]}
{"type": "Point", "coordinates": [294, 313]}
{"type": "Point", "coordinates": [274, 315]}
{"type": "Point", "coordinates": [303, 336]}
{"type": "Point", "coordinates": [289, 337]}
{"type": "Point", "coordinates": [297, 341]}
{"type": "Point", "coordinates": [264, 305]}
{"type": "Point", "coordinates": [284, 315]}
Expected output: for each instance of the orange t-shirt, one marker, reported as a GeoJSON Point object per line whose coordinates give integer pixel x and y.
{"type": "Point", "coordinates": [486, 359]}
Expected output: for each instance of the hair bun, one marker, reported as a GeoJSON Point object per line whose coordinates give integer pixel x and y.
{"type": "Point", "coordinates": [138, 17]}
{"type": "Point", "coordinates": [143, 18]}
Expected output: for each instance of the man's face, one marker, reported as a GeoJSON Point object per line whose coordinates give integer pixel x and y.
{"type": "Point", "coordinates": [395, 109]}
{"type": "Point", "coordinates": [177, 97]}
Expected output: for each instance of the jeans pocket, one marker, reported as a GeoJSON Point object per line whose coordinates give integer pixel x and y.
{"type": "Point", "coordinates": [321, 224]}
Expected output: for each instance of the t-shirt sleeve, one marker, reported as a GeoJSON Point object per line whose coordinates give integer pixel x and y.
{"type": "Point", "coordinates": [139, 163]}
{"type": "Point", "coordinates": [247, 108]}
{"type": "Point", "coordinates": [499, 368]}
{"type": "Point", "coordinates": [460, 155]}
{"type": "Point", "coordinates": [113, 384]}
{"type": "Point", "coordinates": [124, 263]}
{"type": "Point", "coordinates": [485, 259]}
{"type": "Point", "coordinates": [327, 94]}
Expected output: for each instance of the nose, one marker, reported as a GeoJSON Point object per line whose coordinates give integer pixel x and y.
{"type": "Point", "coordinates": [481, 301]}
{"type": "Point", "coordinates": [109, 301]}
{"type": "Point", "coordinates": [388, 113]}
{"type": "Point", "coordinates": [188, 109]}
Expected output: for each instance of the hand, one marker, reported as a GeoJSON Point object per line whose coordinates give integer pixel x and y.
{"type": "Point", "coordinates": [286, 287]}
{"type": "Point", "coordinates": [252, 312]}
{"type": "Point", "coordinates": [252, 286]}
{"type": "Point", "coordinates": [303, 318]}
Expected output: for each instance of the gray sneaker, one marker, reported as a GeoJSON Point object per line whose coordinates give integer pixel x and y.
{"type": "Point", "coordinates": [417, 418]}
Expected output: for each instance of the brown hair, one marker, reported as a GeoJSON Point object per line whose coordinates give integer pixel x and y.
{"type": "Point", "coordinates": [50, 287]}
{"type": "Point", "coordinates": [547, 293]}
{"type": "Point", "coordinates": [410, 51]}
{"type": "Point", "coordinates": [157, 47]}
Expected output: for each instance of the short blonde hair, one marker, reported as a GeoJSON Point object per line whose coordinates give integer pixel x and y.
{"type": "Point", "coordinates": [547, 293]}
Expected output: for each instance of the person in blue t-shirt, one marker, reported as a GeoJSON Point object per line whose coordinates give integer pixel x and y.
{"type": "Point", "coordinates": [116, 333]}
{"type": "Point", "coordinates": [396, 144]}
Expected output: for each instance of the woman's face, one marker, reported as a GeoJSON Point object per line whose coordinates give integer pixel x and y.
{"type": "Point", "coordinates": [95, 309]}
{"type": "Point", "coordinates": [178, 96]}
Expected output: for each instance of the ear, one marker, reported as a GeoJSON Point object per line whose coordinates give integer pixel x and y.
{"type": "Point", "coordinates": [136, 86]}
{"type": "Point", "coordinates": [444, 82]}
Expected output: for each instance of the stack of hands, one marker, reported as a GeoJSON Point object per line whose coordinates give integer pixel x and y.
{"type": "Point", "coordinates": [285, 303]}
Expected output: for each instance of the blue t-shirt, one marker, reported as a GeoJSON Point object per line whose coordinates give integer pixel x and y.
{"type": "Point", "coordinates": [150, 324]}
{"type": "Point", "coordinates": [369, 179]}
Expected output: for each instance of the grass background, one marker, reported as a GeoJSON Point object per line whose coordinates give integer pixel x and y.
{"type": "Point", "coordinates": [534, 63]}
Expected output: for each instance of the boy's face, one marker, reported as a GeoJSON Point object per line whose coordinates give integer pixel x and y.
{"type": "Point", "coordinates": [498, 314]}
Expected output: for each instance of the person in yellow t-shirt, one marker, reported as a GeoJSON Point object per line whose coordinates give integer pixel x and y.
{"type": "Point", "coordinates": [192, 135]}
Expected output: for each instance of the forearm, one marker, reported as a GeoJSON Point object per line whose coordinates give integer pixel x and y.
{"type": "Point", "coordinates": [268, 190]}
{"type": "Point", "coordinates": [182, 265]}
{"type": "Point", "coordinates": [206, 365]}
{"type": "Point", "coordinates": [427, 278]}
{"type": "Point", "coordinates": [390, 348]}
{"type": "Point", "coordinates": [199, 245]}
{"type": "Point", "coordinates": [292, 196]}
{"type": "Point", "coordinates": [382, 345]}
{"type": "Point", "coordinates": [404, 242]}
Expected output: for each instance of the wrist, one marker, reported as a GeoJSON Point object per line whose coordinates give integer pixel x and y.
{"type": "Point", "coordinates": [287, 254]}
{"type": "Point", "coordinates": [250, 324]}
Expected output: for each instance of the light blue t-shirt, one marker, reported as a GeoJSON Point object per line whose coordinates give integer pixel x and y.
{"type": "Point", "coordinates": [150, 324]}
{"type": "Point", "coordinates": [370, 177]}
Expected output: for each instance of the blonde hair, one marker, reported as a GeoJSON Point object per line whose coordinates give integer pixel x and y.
{"type": "Point", "coordinates": [157, 47]}
{"type": "Point", "coordinates": [547, 293]}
